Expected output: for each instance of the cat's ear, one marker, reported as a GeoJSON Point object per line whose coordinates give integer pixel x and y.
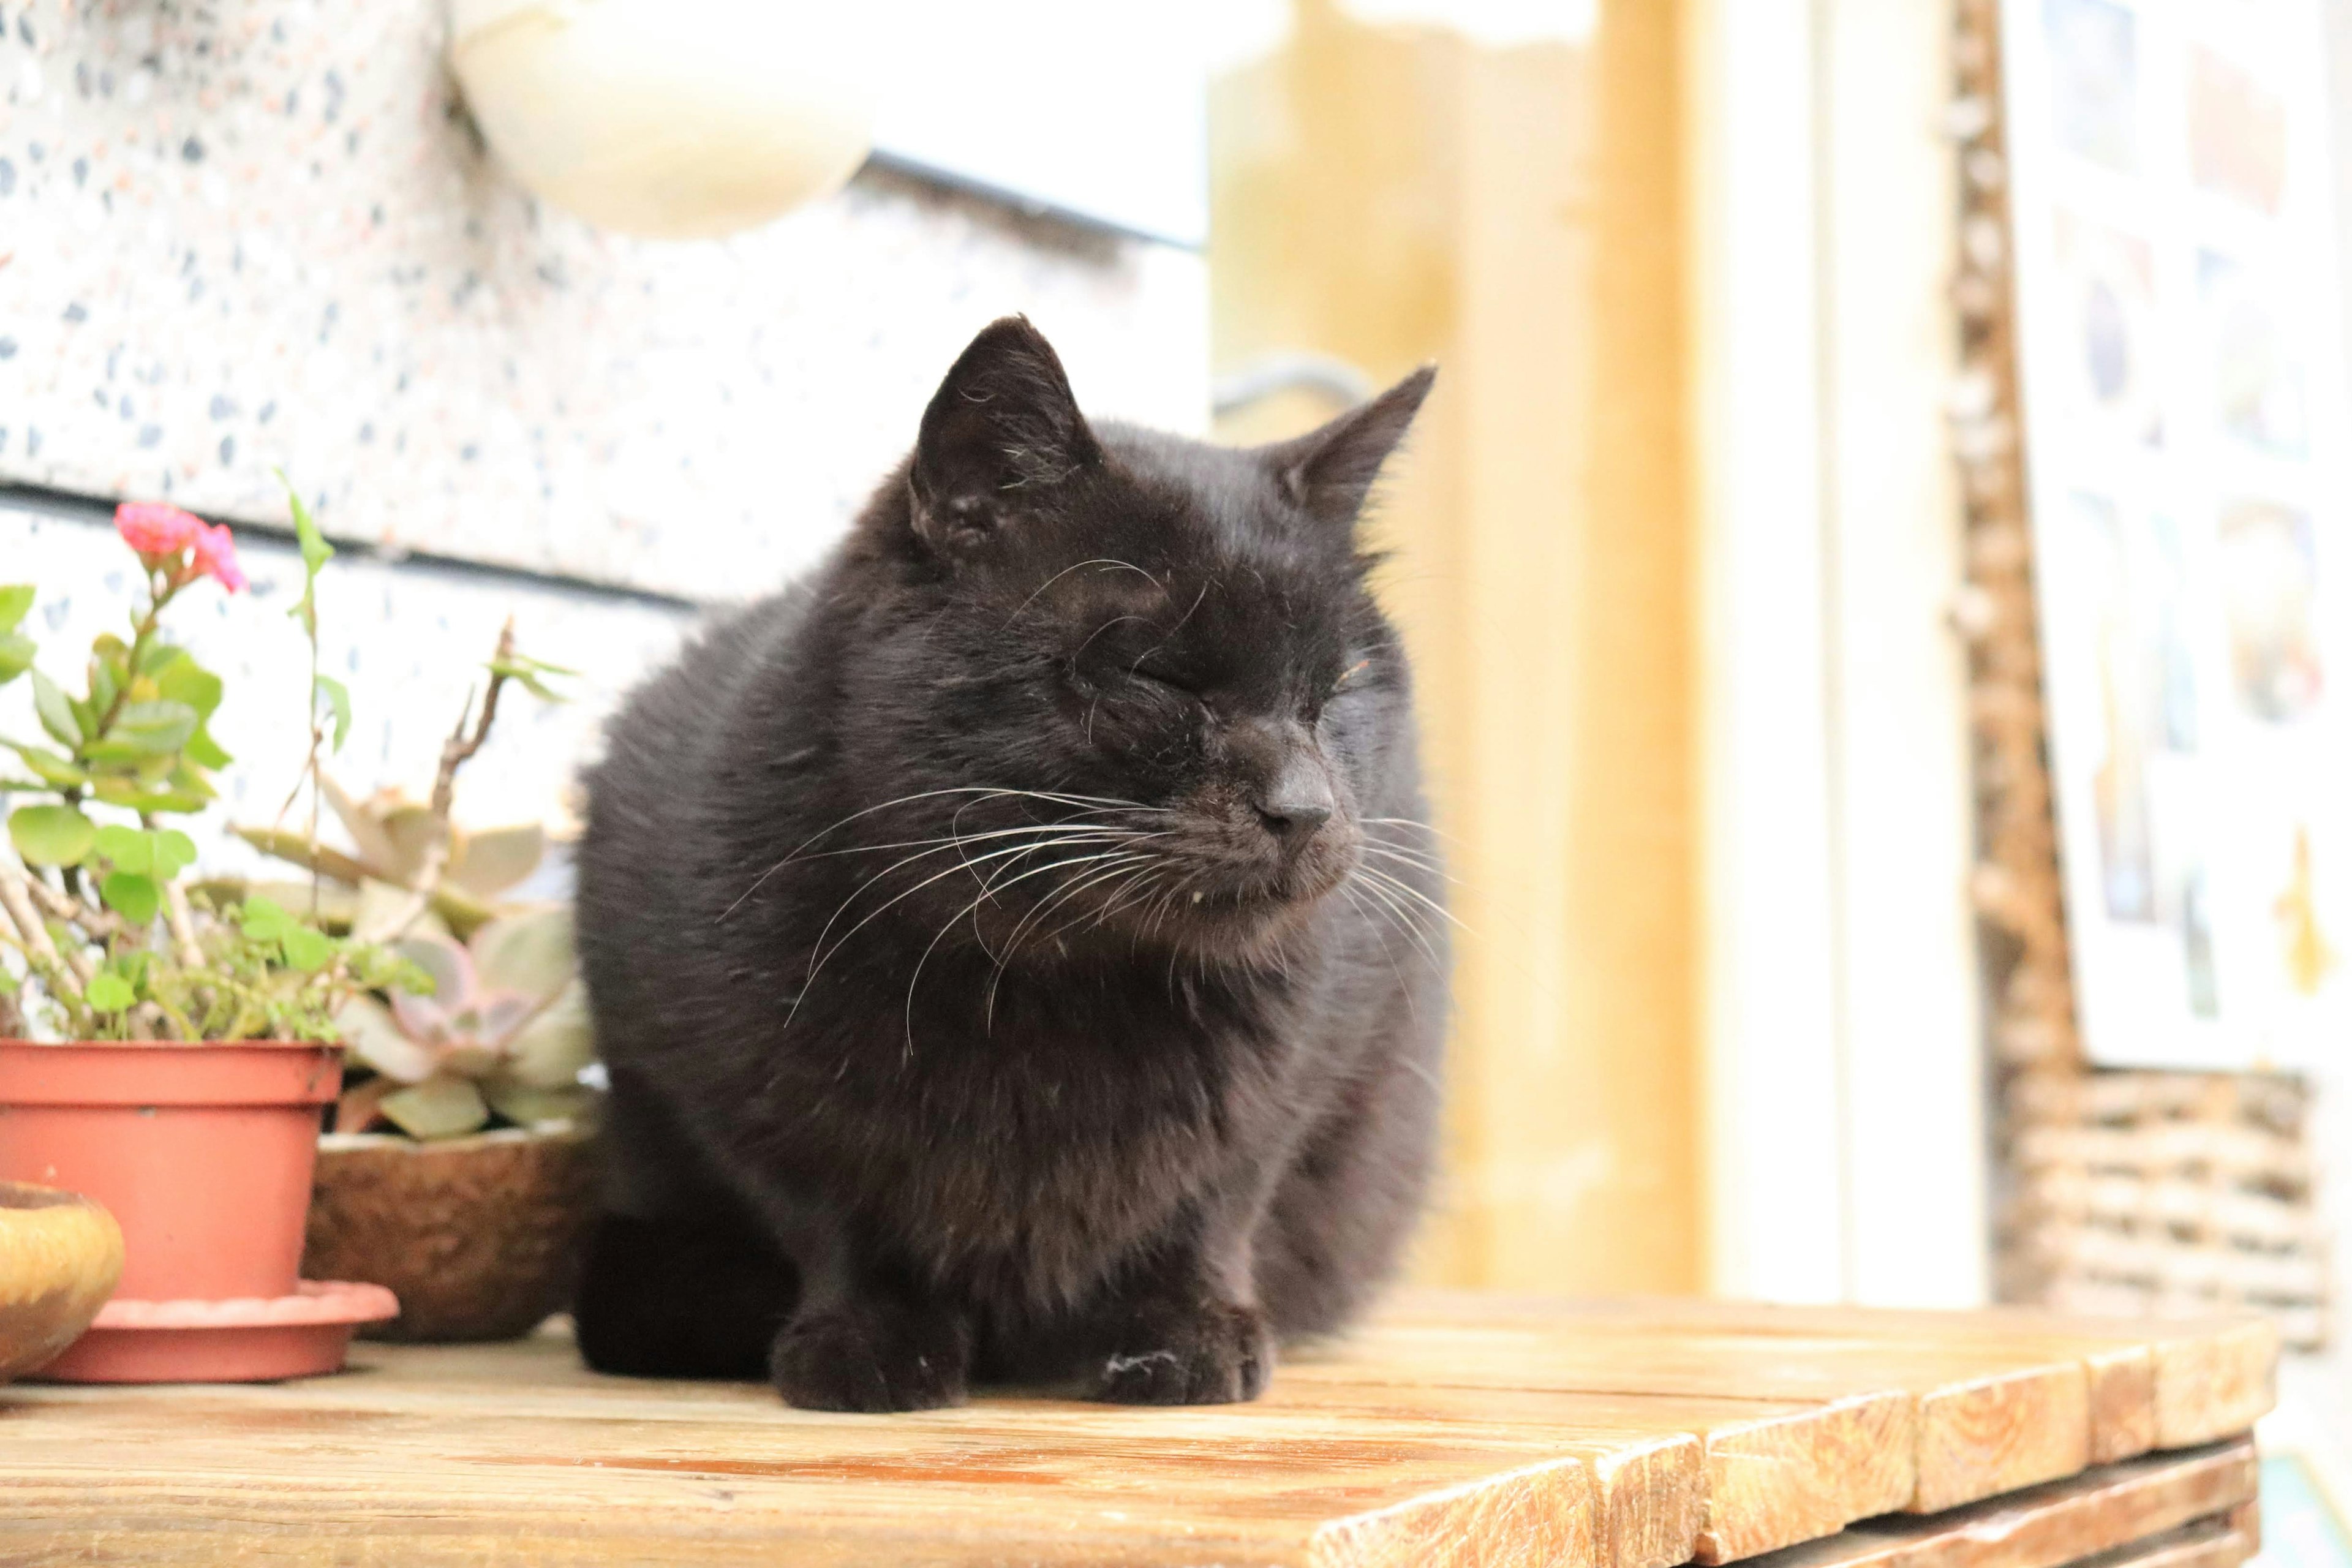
{"type": "Point", "coordinates": [1003, 426]}
{"type": "Point", "coordinates": [1329, 472]}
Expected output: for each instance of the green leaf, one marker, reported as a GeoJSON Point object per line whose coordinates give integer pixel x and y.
{"type": "Point", "coordinates": [186, 682]}
{"type": "Point", "coordinates": [307, 950]}
{"type": "Point", "coordinates": [188, 781]}
{"type": "Point", "coordinates": [131, 797]}
{"type": "Point", "coordinates": [338, 699]}
{"type": "Point", "coordinates": [438, 1108]}
{"type": "Point", "coordinates": [51, 835]}
{"type": "Point", "coordinates": [109, 993]}
{"type": "Point", "coordinates": [376, 1038]}
{"type": "Point", "coordinates": [527, 671]}
{"type": "Point", "coordinates": [174, 852]}
{"type": "Point", "coordinates": [49, 701]}
{"type": "Point", "coordinates": [155, 728]}
{"type": "Point", "coordinates": [16, 601]}
{"type": "Point", "coordinates": [205, 752]}
{"type": "Point", "coordinates": [528, 1107]}
{"type": "Point", "coordinates": [129, 849]}
{"type": "Point", "coordinates": [112, 752]}
{"type": "Point", "coordinates": [103, 686]}
{"type": "Point", "coordinates": [133, 897]}
{"type": "Point", "coordinates": [316, 552]}
{"type": "Point", "coordinates": [22, 787]}
{"type": "Point", "coordinates": [52, 769]}
{"type": "Point", "coordinates": [264, 920]}
{"type": "Point", "coordinates": [16, 652]}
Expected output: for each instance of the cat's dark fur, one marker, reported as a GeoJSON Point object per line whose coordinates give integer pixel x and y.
{"type": "Point", "coordinates": [1013, 947]}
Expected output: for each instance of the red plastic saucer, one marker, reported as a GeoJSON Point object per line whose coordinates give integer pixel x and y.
{"type": "Point", "coordinates": [247, 1339]}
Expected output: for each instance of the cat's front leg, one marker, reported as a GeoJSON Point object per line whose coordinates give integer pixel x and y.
{"type": "Point", "coordinates": [873, 1353]}
{"type": "Point", "coordinates": [1191, 1332]}
{"type": "Point", "coordinates": [1203, 1351]}
{"type": "Point", "coordinates": [860, 1339]}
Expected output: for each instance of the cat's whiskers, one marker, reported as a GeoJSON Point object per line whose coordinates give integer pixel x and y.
{"type": "Point", "coordinates": [1012, 941]}
{"type": "Point", "coordinates": [820, 954]}
{"type": "Point", "coordinates": [1062, 895]}
{"type": "Point", "coordinates": [957, 919]}
{"type": "Point", "coordinates": [1400, 885]}
{"type": "Point", "coordinates": [1409, 908]}
{"type": "Point", "coordinates": [1412, 862]}
{"type": "Point", "coordinates": [1084, 804]}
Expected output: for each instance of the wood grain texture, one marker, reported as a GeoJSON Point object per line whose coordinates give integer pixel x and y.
{"type": "Point", "coordinates": [1986, 1418]}
{"type": "Point", "coordinates": [2062, 1522]}
{"type": "Point", "coordinates": [1503, 1435]}
{"type": "Point", "coordinates": [2151, 1382]}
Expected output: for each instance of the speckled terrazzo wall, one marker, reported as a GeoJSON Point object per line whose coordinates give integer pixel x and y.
{"type": "Point", "coordinates": [252, 233]}
{"type": "Point", "coordinates": [245, 234]}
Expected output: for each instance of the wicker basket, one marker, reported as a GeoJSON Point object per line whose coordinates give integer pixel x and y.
{"type": "Point", "coordinates": [2120, 1191]}
{"type": "Point", "coordinates": [478, 1236]}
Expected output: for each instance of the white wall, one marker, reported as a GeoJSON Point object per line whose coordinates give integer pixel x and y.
{"type": "Point", "coordinates": [1844, 1097]}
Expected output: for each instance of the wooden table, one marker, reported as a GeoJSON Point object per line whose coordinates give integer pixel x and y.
{"type": "Point", "coordinates": [1453, 1430]}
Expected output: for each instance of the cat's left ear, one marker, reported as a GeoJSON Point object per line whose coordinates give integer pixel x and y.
{"type": "Point", "coordinates": [1002, 427]}
{"type": "Point", "coordinates": [1329, 472]}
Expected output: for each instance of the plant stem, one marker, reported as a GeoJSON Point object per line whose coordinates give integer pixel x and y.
{"type": "Point", "coordinates": [160, 592]}
{"type": "Point", "coordinates": [183, 925]}
{"type": "Point", "coordinates": [17, 894]}
{"type": "Point", "coordinates": [458, 747]}
{"type": "Point", "coordinates": [454, 753]}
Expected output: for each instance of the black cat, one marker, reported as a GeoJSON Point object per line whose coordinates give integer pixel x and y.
{"type": "Point", "coordinates": [1016, 947]}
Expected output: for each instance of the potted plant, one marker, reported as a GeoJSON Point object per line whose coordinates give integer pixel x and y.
{"type": "Point", "coordinates": [458, 1169]}
{"type": "Point", "coordinates": [168, 1051]}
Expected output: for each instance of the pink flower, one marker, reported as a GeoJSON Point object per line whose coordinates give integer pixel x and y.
{"type": "Point", "coordinates": [155, 527]}
{"type": "Point", "coordinates": [216, 556]}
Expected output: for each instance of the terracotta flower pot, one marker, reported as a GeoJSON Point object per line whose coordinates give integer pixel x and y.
{"type": "Point", "coordinates": [202, 1154]}
{"type": "Point", "coordinates": [478, 1236]}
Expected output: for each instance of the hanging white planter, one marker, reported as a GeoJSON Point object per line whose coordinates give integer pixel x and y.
{"type": "Point", "coordinates": [668, 119]}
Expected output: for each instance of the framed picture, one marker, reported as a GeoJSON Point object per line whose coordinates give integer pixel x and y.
{"type": "Point", "coordinates": [2181, 379]}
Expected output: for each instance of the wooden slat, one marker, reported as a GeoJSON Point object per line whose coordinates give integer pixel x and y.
{"type": "Point", "coordinates": [2155, 1382]}
{"type": "Point", "coordinates": [189, 1475]}
{"type": "Point", "coordinates": [2051, 1526]}
{"type": "Point", "coordinates": [1987, 1420]}
{"type": "Point", "coordinates": [1506, 1434]}
{"type": "Point", "coordinates": [1776, 1471]}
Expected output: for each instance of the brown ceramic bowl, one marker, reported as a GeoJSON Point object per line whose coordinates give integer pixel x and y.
{"type": "Point", "coordinates": [61, 1255]}
{"type": "Point", "coordinates": [478, 1236]}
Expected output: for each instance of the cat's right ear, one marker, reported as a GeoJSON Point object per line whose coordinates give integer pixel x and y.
{"type": "Point", "coordinates": [1002, 427]}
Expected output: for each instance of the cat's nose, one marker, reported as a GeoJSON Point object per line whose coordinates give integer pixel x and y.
{"type": "Point", "coordinates": [1297, 801]}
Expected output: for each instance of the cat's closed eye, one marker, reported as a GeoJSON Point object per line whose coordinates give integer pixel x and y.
{"type": "Point", "coordinates": [1165, 681]}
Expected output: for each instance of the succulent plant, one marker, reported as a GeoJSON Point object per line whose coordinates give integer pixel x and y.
{"type": "Point", "coordinates": [393, 836]}
{"type": "Point", "coordinates": [503, 1035]}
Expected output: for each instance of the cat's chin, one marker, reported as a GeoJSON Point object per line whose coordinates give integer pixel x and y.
{"type": "Point", "coordinates": [1247, 925]}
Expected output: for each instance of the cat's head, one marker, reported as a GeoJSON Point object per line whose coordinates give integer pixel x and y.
{"type": "Point", "coordinates": [1163, 652]}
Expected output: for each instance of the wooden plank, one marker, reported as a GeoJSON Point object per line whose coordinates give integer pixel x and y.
{"type": "Point", "coordinates": [1517, 1439]}
{"type": "Point", "coordinates": [2155, 1383]}
{"type": "Point", "coordinates": [1987, 1420]}
{"type": "Point", "coordinates": [2212, 1545]}
{"type": "Point", "coordinates": [526, 1458]}
{"type": "Point", "coordinates": [2051, 1526]}
{"type": "Point", "coordinates": [1775, 1471]}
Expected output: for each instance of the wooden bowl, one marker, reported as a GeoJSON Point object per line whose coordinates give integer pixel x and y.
{"type": "Point", "coordinates": [61, 1255]}
{"type": "Point", "coordinates": [478, 1236]}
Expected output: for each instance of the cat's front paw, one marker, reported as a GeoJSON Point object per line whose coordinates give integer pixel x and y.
{"type": "Point", "coordinates": [873, 1357]}
{"type": "Point", "coordinates": [1209, 1353]}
